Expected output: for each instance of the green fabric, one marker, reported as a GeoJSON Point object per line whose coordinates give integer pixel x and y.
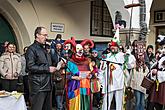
{"type": "Point", "coordinates": [126, 57]}
{"type": "Point", "coordinates": [85, 99]}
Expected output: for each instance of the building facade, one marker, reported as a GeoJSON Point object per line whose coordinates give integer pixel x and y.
{"type": "Point", "coordinates": [75, 18]}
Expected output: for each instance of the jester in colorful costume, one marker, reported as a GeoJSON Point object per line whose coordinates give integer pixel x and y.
{"type": "Point", "coordinates": [112, 76]}
{"type": "Point", "coordinates": [78, 87]}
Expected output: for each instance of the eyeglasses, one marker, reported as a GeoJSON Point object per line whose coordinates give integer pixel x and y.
{"type": "Point", "coordinates": [46, 35]}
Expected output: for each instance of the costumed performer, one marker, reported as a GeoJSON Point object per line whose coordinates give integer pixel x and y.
{"type": "Point", "coordinates": [82, 62]}
{"type": "Point", "coordinates": [113, 80]}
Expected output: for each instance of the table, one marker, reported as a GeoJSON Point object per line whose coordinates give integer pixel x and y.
{"type": "Point", "coordinates": [11, 103]}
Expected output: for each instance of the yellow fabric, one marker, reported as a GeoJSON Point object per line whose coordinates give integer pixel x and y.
{"type": "Point", "coordinates": [74, 104]}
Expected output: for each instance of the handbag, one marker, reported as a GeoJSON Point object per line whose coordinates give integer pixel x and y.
{"type": "Point", "coordinates": [147, 82]}
{"type": "Point", "coordinates": [129, 93]}
{"type": "Point", "coordinates": [95, 85]}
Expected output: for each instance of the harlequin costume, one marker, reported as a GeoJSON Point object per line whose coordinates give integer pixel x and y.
{"type": "Point", "coordinates": [81, 98]}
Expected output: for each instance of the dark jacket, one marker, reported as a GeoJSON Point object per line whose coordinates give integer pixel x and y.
{"type": "Point", "coordinates": [38, 62]}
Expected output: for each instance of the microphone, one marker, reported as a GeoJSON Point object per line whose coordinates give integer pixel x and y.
{"type": "Point", "coordinates": [112, 62]}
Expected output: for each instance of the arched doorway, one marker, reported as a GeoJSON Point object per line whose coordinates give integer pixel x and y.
{"type": "Point", "coordinates": [6, 32]}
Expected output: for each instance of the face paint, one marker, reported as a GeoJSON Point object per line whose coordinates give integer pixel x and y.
{"type": "Point", "coordinates": [79, 50]}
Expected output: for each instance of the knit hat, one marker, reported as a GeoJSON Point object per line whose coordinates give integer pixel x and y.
{"type": "Point", "coordinates": [94, 51]}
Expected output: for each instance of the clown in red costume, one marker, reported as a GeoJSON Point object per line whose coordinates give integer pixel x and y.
{"type": "Point", "coordinates": [81, 99]}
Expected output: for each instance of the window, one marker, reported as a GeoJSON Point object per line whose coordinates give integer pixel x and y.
{"type": "Point", "coordinates": [101, 22]}
{"type": "Point", "coordinates": [159, 16]}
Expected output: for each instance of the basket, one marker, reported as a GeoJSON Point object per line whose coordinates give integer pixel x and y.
{"type": "Point", "coordinates": [147, 83]}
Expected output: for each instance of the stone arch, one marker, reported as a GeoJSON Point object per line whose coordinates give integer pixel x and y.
{"type": "Point", "coordinates": [18, 27]}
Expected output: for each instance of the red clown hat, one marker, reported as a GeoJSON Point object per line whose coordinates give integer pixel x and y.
{"type": "Point", "coordinates": [113, 43]}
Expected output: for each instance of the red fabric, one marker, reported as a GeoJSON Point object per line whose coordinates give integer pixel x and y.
{"type": "Point", "coordinates": [78, 59]}
{"type": "Point", "coordinates": [113, 43]}
{"type": "Point", "coordinates": [158, 96]}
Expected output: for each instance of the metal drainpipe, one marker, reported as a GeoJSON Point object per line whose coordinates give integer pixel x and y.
{"type": "Point", "coordinates": [143, 25]}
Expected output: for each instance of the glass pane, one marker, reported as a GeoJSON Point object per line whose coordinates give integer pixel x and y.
{"type": "Point", "coordinates": [101, 21]}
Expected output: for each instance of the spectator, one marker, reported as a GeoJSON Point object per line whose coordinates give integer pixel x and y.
{"type": "Point", "coordinates": [95, 62]}
{"type": "Point", "coordinates": [10, 68]}
{"type": "Point", "coordinates": [95, 55]}
{"type": "Point", "coordinates": [121, 48]}
{"type": "Point", "coordinates": [58, 77]}
{"type": "Point", "coordinates": [142, 68]}
{"type": "Point", "coordinates": [150, 55]}
{"type": "Point", "coordinates": [3, 47]}
{"type": "Point", "coordinates": [157, 55]}
{"type": "Point", "coordinates": [25, 77]}
{"type": "Point", "coordinates": [58, 39]}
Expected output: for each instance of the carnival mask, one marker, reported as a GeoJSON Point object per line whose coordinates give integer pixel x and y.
{"type": "Point", "coordinates": [79, 50]}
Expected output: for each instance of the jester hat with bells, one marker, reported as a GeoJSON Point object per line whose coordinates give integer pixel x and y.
{"type": "Point", "coordinates": [78, 48]}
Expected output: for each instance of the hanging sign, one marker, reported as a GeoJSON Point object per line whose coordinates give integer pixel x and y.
{"type": "Point", "coordinates": [57, 27]}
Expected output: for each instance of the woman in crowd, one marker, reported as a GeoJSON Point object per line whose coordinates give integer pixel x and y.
{"type": "Point", "coordinates": [137, 76]}
{"type": "Point", "coordinates": [10, 68]}
{"type": "Point", "coordinates": [150, 55]}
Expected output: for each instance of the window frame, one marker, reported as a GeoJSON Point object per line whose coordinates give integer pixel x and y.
{"type": "Point", "coordinates": [92, 19]}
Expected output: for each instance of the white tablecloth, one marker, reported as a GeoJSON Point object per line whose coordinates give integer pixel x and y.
{"type": "Point", "coordinates": [11, 103]}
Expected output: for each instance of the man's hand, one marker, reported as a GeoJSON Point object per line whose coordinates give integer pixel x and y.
{"type": "Point", "coordinates": [52, 69]}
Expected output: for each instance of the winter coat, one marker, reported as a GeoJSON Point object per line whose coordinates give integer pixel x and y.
{"type": "Point", "coordinates": [38, 62]}
{"type": "Point", "coordinates": [10, 63]}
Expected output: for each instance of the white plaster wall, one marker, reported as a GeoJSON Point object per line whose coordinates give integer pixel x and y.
{"type": "Point", "coordinates": [25, 16]}
{"type": "Point", "coordinates": [74, 14]}
{"type": "Point", "coordinates": [118, 5]}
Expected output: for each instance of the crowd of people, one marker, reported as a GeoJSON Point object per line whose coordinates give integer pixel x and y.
{"type": "Point", "coordinates": [72, 76]}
